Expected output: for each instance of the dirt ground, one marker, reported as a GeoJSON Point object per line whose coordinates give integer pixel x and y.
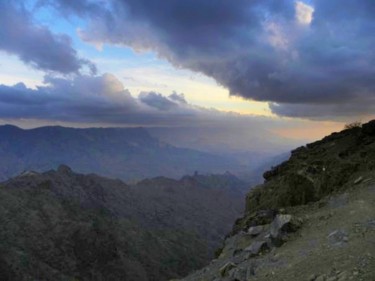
{"type": "Point", "coordinates": [335, 243]}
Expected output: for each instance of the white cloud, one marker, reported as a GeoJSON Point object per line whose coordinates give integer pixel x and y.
{"type": "Point", "coordinates": [304, 13]}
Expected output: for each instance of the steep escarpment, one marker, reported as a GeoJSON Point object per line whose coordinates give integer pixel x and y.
{"type": "Point", "coordinates": [60, 225]}
{"type": "Point", "coordinates": [313, 218]}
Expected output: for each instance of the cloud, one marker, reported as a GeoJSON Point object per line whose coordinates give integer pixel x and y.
{"type": "Point", "coordinates": [82, 98]}
{"type": "Point", "coordinates": [298, 54]}
{"type": "Point", "coordinates": [104, 101]}
{"type": "Point", "coordinates": [35, 44]}
{"type": "Point", "coordinates": [98, 99]}
{"type": "Point", "coordinates": [180, 98]}
{"type": "Point", "coordinates": [363, 109]}
{"type": "Point", "coordinates": [304, 13]}
{"type": "Point", "coordinates": [156, 100]}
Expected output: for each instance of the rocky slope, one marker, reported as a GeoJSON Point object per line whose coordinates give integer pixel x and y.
{"type": "Point", "coordinates": [60, 225]}
{"type": "Point", "coordinates": [125, 153]}
{"type": "Point", "coordinates": [313, 219]}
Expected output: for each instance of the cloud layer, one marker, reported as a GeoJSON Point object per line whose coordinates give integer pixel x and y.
{"type": "Point", "coordinates": [100, 99]}
{"type": "Point", "coordinates": [306, 58]}
{"type": "Point", "coordinates": [36, 45]}
{"type": "Point", "coordinates": [103, 101]}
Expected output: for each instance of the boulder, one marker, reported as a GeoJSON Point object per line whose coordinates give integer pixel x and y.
{"type": "Point", "coordinates": [255, 230]}
{"type": "Point", "coordinates": [338, 237]}
{"type": "Point", "coordinates": [226, 268]}
{"type": "Point", "coordinates": [279, 224]}
{"type": "Point", "coordinates": [358, 180]}
{"type": "Point", "coordinates": [238, 274]}
{"type": "Point", "coordinates": [257, 247]}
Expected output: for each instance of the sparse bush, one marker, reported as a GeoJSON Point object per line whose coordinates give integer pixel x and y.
{"type": "Point", "coordinates": [352, 125]}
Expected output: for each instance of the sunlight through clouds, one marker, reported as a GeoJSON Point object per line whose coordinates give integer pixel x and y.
{"type": "Point", "coordinates": [304, 13]}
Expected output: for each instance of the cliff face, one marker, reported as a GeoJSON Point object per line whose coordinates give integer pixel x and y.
{"type": "Point", "coordinates": [312, 219]}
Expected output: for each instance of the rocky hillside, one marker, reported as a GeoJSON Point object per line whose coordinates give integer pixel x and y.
{"type": "Point", "coordinates": [60, 225]}
{"type": "Point", "coordinates": [313, 218]}
{"type": "Point", "coordinates": [125, 153]}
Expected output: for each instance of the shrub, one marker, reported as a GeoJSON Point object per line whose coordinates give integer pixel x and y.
{"type": "Point", "coordinates": [352, 125]}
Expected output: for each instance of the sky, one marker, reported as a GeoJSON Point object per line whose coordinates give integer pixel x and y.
{"type": "Point", "coordinates": [292, 71]}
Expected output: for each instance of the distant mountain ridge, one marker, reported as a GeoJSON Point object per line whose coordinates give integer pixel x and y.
{"type": "Point", "coordinates": [60, 225]}
{"type": "Point", "coordinates": [126, 153]}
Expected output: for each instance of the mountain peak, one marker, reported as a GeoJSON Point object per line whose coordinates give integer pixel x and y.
{"type": "Point", "coordinates": [64, 169]}
{"type": "Point", "coordinates": [9, 128]}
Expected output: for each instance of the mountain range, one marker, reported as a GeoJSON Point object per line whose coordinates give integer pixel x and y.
{"type": "Point", "coordinates": [130, 154]}
{"type": "Point", "coordinates": [61, 225]}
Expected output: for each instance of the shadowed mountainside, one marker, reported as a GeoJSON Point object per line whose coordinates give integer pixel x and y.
{"type": "Point", "coordinates": [60, 225]}
{"type": "Point", "coordinates": [125, 153]}
{"type": "Point", "coordinates": [313, 218]}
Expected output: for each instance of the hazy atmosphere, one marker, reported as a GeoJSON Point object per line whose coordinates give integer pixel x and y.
{"type": "Point", "coordinates": [285, 71]}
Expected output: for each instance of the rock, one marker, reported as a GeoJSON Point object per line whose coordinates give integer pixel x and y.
{"type": "Point", "coordinates": [256, 248]}
{"type": "Point", "coordinates": [358, 180]}
{"type": "Point", "coordinates": [226, 268]}
{"type": "Point", "coordinates": [282, 225]}
{"type": "Point", "coordinates": [338, 237]}
{"type": "Point", "coordinates": [255, 230]}
{"type": "Point", "coordinates": [278, 224]}
{"type": "Point", "coordinates": [342, 276]}
{"type": "Point", "coordinates": [275, 258]}
{"type": "Point", "coordinates": [312, 277]}
{"type": "Point", "coordinates": [237, 274]}
{"type": "Point", "coordinates": [236, 244]}
{"type": "Point", "coordinates": [321, 278]}
{"type": "Point", "coordinates": [250, 272]}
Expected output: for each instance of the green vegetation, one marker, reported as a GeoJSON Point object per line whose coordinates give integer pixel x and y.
{"type": "Point", "coordinates": [60, 225]}
{"type": "Point", "coordinates": [44, 238]}
{"type": "Point", "coordinates": [314, 171]}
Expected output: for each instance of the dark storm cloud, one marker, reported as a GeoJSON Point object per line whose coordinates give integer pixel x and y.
{"type": "Point", "coordinates": [103, 101]}
{"type": "Point", "coordinates": [99, 99]}
{"type": "Point", "coordinates": [344, 112]}
{"type": "Point", "coordinates": [262, 50]}
{"type": "Point", "coordinates": [180, 98]}
{"type": "Point", "coordinates": [157, 100]}
{"type": "Point", "coordinates": [36, 45]}
{"type": "Point", "coordinates": [83, 98]}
